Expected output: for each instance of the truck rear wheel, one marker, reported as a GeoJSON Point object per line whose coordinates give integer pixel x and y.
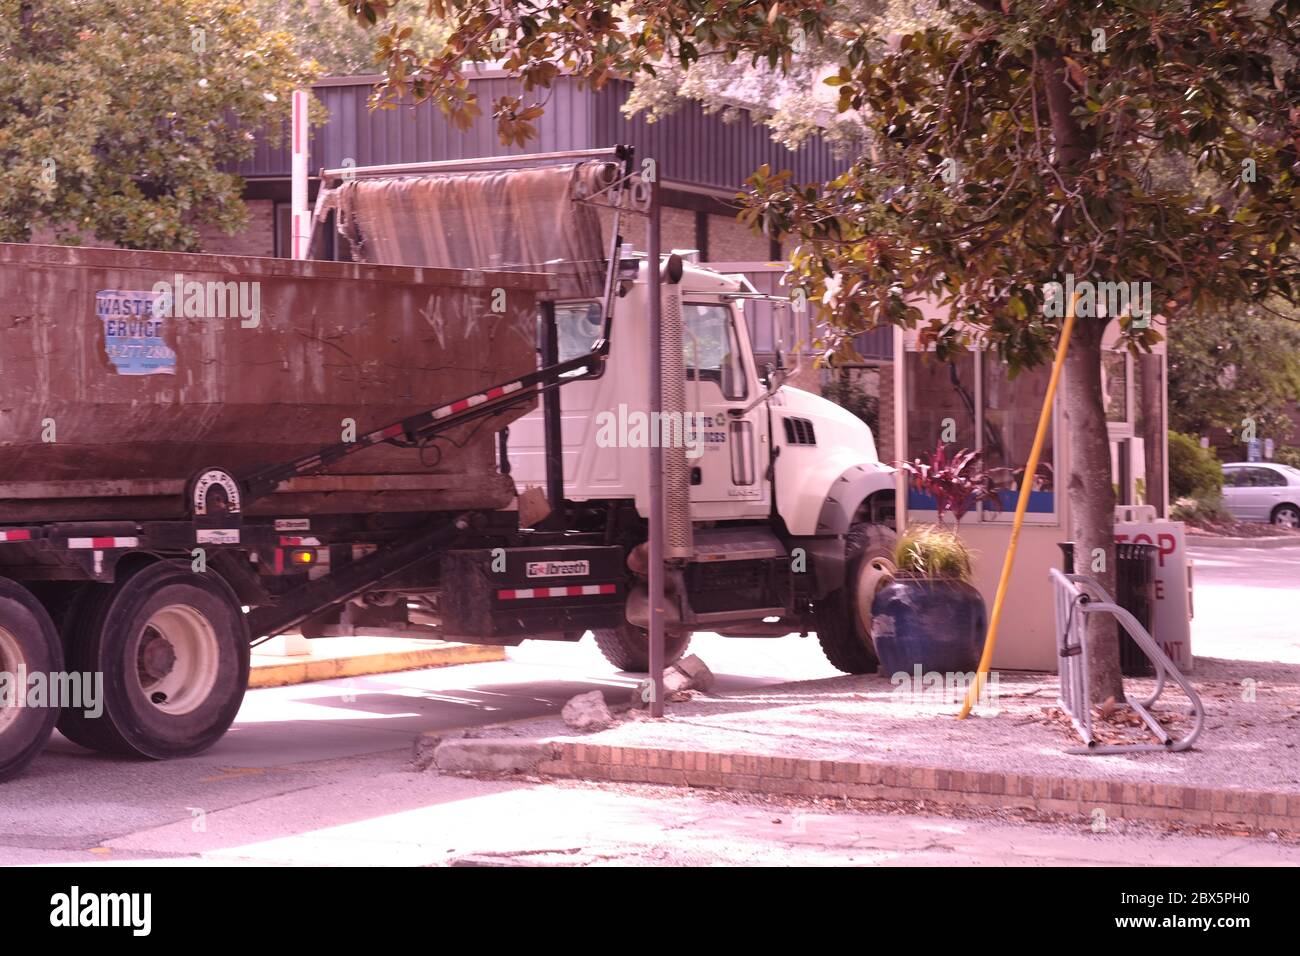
{"type": "Point", "coordinates": [843, 617]}
{"type": "Point", "coordinates": [173, 648]}
{"type": "Point", "coordinates": [627, 647]}
{"type": "Point", "coordinates": [29, 644]}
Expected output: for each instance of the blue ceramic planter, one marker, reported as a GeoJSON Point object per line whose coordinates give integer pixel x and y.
{"type": "Point", "coordinates": [936, 624]}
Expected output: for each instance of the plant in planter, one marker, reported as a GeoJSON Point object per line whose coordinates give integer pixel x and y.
{"type": "Point", "coordinates": [956, 484]}
{"type": "Point", "coordinates": [930, 616]}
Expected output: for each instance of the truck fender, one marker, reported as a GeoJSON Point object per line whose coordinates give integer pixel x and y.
{"type": "Point", "coordinates": [840, 507]}
{"type": "Point", "coordinates": [847, 493]}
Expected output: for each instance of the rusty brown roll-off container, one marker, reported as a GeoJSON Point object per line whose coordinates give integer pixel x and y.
{"type": "Point", "coordinates": [109, 402]}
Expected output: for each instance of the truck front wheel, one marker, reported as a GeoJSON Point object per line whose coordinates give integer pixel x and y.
{"type": "Point", "coordinates": [29, 645]}
{"type": "Point", "coordinates": [843, 617]}
{"type": "Point", "coordinates": [628, 647]}
{"type": "Point", "coordinates": [173, 648]}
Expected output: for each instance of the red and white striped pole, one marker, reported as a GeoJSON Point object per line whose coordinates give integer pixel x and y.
{"type": "Point", "coordinates": [300, 215]}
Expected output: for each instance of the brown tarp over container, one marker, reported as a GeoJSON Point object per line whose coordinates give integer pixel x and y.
{"type": "Point", "coordinates": [105, 412]}
{"type": "Point", "coordinates": [518, 220]}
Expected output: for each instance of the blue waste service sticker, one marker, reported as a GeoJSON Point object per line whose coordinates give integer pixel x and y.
{"type": "Point", "coordinates": [133, 332]}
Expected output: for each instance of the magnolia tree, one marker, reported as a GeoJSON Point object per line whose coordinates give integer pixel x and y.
{"type": "Point", "coordinates": [1016, 166]}
{"type": "Point", "coordinates": [121, 120]}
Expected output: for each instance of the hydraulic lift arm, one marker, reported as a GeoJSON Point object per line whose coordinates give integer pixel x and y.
{"type": "Point", "coordinates": [426, 425]}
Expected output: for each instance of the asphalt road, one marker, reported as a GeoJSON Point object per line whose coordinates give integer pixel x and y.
{"type": "Point", "coordinates": [1246, 603]}
{"type": "Point", "coordinates": [319, 772]}
{"type": "Point", "coordinates": [288, 739]}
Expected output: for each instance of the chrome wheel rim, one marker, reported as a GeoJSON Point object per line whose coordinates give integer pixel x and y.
{"type": "Point", "coordinates": [13, 664]}
{"type": "Point", "coordinates": [177, 659]}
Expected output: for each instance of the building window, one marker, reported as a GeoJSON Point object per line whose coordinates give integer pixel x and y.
{"type": "Point", "coordinates": [973, 403]}
{"type": "Point", "coordinates": [1011, 407]}
{"type": "Point", "coordinates": [940, 408]}
{"type": "Point", "coordinates": [1114, 385]}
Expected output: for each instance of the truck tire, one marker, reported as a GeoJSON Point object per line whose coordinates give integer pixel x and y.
{"type": "Point", "coordinates": [29, 644]}
{"type": "Point", "coordinates": [173, 648]}
{"type": "Point", "coordinates": [58, 598]}
{"type": "Point", "coordinates": [843, 617]}
{"type": "Point", "coordinates": [627, 647]}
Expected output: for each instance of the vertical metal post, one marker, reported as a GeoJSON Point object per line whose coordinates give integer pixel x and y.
{"type": "Point", "coordinates": [552, 421]}
{"type": "Point", "coordinates": [656, 485]}
{"type": "Point", "coordinates": [299, 214]}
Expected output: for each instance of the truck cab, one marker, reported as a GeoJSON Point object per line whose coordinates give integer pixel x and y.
{"type": "Point", "coordinates": [780, 480]}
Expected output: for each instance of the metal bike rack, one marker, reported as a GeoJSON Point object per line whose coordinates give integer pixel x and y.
{"type": "Point", "coordinates": [1077, 596]}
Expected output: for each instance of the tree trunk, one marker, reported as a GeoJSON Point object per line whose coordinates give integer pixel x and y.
{"type": "Point", "coordinates": [1092, 498]}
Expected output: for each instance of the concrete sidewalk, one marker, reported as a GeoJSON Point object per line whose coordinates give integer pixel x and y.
{"type": "Point", "coordinates": [334, 657]}
{"type": "Point", "coordinates": [865, 738]}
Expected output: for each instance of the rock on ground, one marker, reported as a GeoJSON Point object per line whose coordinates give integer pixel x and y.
{"type": "Point", "coordinates": [587, 712]}
{"type": "Point", "coordinates": [689, 673]}
{"type": "Point", "coordinates": [461, 755]}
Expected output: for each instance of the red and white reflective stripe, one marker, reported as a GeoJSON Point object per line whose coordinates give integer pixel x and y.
{"type": "Point", "coordinates": [20, 535]}
{"type": "Point", "coordinates": [576, 590]}
{"type": "Point", "coordinates": [103, 542]}
{"type": "Point", "coordinates": [473, 400]}
{"type": "Point", "coordinates": [392, 431]}
{"type": "Point", "coordinates": [294, 541]}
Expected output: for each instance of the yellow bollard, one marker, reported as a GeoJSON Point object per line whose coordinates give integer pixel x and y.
{"type": "Point", "coordinates": [1022, 504]}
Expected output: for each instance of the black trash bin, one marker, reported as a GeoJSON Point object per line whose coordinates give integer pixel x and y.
{"type": "Point", "coordinates": [1135, 576]}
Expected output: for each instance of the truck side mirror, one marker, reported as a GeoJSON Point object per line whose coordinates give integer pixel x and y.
{"type": "Point", "coordinates": [775, 376]}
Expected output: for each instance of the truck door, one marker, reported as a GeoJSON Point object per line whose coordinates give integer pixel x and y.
{"type": "Point", "coordinates": [729, 454]}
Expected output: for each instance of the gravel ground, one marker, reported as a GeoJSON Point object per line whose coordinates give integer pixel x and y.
{"type": "Point", "coordinates": [1249, 742]}
{"type": "Point", "coordinates": [1241, 529]}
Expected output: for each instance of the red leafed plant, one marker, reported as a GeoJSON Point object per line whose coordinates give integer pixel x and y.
{"type": "Point", "coordinates": [956, 484]}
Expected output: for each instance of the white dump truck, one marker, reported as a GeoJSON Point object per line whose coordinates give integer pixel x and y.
{"type": "Point", "coordinates": [365, 455]}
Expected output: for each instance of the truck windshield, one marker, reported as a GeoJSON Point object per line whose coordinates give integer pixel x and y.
{"type": "Point", "coordinates": [712, 352]}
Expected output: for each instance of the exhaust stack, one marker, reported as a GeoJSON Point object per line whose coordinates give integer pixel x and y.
{"type": "Point", "coordinates": [678, 537]}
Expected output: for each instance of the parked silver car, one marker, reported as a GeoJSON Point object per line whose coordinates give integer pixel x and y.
{"type": "Point", "coordinates": [1262, 491]}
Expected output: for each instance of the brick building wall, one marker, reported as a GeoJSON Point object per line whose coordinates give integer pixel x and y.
{"type": "Point", "coordinates": [885, 439]}
{"type": "Point", "coordinates": [257, 238]}
{"type": "Point", "coordinates": [877, 380]}
{"type": "Point", "coordinates": [725, 239]}
{"type": "Point", "coordinates": [730, 241]}
{"type": "Point", "coordinates": [807, 378]}
{"type": "Point", "coordinates": [676, 228]}
{"type": "Point", "coordinates": [46, 237]}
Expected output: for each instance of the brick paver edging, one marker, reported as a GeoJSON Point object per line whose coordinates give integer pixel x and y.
{"type": "Point", "coordinates": [1203, 806]}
